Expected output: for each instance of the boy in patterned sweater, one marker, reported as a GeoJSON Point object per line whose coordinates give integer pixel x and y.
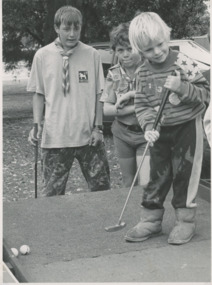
{"type": "Point", "coordinates": [177, 145]}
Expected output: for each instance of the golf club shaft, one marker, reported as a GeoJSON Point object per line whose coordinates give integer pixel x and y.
{"type": "Point", "coordinates": [36, 157]}
{"type": "Point", "coordinates": [134, 180]}
{"type": "Point", "coordinates": [162, 105]}
{"type": "Point", "coordinates": [157, 119]}
{"type": "Point", "coordinates": [159, 114]}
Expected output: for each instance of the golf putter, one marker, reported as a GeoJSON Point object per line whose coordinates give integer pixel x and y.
{"type": "Point", "coordinates": [36, 157]}
{"type": "Point", "coordinates": [120, 225]}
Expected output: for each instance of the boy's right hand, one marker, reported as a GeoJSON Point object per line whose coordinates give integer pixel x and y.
{"type": "Point", "coordinates": [151, 136]}
{"type": "Point", "coordinates": [120, 103]}
{"type": "Point", "coordinates": [33, 138]}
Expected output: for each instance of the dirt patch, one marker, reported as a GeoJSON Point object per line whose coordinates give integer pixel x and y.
{"type": "Point", "coordinates": [18, 163]}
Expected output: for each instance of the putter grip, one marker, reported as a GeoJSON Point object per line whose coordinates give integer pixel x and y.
{"type": "Point", "coordinates": [35, 128]}
{"type": "Point", "coordinates": [159, 114]}
{"type": "Point", "coordinates": [165, 97]}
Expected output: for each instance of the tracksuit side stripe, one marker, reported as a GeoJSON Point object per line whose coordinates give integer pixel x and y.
{"type": "Point", "coordinates": [197, 165]}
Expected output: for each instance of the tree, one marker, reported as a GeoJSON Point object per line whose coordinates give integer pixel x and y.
{"type": "Point", "coordinates": [187, 18]}
{"type": "Point", "coordinates": [28, 25]}
{"type": "Point", "coordinates": [22, 30]}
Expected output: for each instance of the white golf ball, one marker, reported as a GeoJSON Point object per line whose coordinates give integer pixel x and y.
{"type": "Point", "coordinates": [24, 249]}
{"type": "Point", "coordinates": [14, 251]}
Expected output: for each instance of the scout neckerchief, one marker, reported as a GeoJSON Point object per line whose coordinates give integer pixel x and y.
{"type": "Point", "coordinates": [131, 81]}
{"type": "Point", "coordinates": [65, 55]}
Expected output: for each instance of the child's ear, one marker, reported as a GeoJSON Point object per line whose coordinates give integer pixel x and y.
{"type": "Point", "coordinates": [56, 29]}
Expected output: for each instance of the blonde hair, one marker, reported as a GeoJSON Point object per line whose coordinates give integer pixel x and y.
{"type": "Point", "coordinates": [147, 27]}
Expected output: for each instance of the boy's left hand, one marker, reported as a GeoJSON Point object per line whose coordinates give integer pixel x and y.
{"type": "Point", "coordinates": [173, 83]}
{"type": "Point", "coordinates": [96, 137]}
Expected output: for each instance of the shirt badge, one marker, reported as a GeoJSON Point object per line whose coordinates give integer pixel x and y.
{"type": "Point", "coordinates": [174, 99]}
{"type": "Point", "coordinates": [83, 76]}
{"type": "Point", "coordinates": [116, 77]}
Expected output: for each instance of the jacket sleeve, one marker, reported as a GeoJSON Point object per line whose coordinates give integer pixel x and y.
{"type": "Point", "coordinates": [145, 113]}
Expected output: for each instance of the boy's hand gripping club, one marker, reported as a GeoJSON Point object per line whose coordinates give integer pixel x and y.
{"type": "Point", "coordinates": [120, 223]}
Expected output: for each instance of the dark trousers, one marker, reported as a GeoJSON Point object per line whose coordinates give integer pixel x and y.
{"type": "Point", "coordinates": [175, 160]}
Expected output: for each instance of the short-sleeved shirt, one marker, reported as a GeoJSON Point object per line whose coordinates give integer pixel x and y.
{"type": "Point", "coordinates": [68, 119]}
{"type": "Point", "coordinates": [118, 83]}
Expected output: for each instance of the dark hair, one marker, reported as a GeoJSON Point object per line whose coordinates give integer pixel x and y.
{"type": "Point", "coordinates": [119, 35]}
{"type": "Point", "coordinates": [67, 15]}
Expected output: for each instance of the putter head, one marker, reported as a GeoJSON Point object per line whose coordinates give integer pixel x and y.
{"type": "Point", "coordinates": [116, 227]}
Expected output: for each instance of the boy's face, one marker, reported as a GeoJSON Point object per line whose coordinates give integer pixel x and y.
{"type": "Point", "coordinates": [125, 56]}
{"type": "Point", "coordinates": [68, 34]}
{"type": "Point", "coordinates": [156, 51]}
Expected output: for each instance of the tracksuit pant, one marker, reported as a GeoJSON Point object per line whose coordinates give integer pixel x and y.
{"type": "Point", "coordinates": [175, 160]}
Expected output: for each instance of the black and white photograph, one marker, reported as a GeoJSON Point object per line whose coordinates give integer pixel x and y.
{"type": "Point", "coordinates": [106, 141]}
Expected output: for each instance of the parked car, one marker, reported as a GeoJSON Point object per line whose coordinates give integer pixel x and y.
{"type": "Point", "coordinates": [192, 49]}
{"type": "Point", "coordinates": [107, 55]}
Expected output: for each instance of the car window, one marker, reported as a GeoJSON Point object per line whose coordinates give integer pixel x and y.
{"type": "Point", "coordinates": [175, 47]}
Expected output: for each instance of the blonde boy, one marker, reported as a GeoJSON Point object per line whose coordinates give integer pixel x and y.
{"type": "Point", "coordinates": [176, 156]}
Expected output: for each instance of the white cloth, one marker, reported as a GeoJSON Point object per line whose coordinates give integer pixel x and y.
{"type": "Point", "coordinates": [207, 124]}
{"type": "Point", "coordinates": [68, 120]}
